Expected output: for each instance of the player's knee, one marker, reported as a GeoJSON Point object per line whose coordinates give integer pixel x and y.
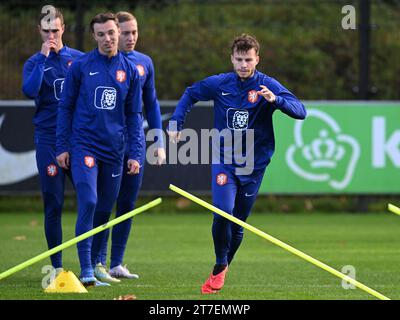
{"type": "Point", "coordinates": [124, 207]}
{"type": "Point", "coordinates": [91, 201]}
{"type": "Point", "coordinates": [219, 220]}
{"type": "Point", "coordinates": [52, 205]}
{"type": "Point", "coordinates": [237, 231]}
{"type": "Point", "coordinates": [87, 198]}
{"type": "Point", "coordinates": [224, 206]}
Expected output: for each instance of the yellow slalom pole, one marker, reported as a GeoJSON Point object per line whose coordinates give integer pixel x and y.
{"type": "Point", "coordinates": [278, 242]}
{"type": "Point", "coordinates": [394, 209]}
{"type": "Point", "coordinates": [81, 237]}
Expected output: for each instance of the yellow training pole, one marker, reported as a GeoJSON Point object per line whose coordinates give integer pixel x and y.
{"type": "Point", "coordinates": [81, 237]}
{"type": "Point", "coordinates": [394, 209]}
{"type": "Point", "coordinates": [278, 242]}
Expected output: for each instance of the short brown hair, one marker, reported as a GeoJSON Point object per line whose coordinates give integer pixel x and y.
{"type": "Point", "coordinates": [57, 14]}
{"type": "Point", "coordinates": [124, 16]}
{"type": "Point", "coordinates": [103, 18]}
{"type": "Point", "coordinates": [244, 43]}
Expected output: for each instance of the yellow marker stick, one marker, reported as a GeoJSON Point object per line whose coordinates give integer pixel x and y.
{"type": "Point", "coordinates": [394, 209]}
{"type": "Point", "coordinates": [81, 237]}
{"type": "Point", "coordinates": [278, 242]}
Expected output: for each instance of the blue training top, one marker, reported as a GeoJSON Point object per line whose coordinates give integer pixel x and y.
{"type": "Point", "coordinates": [145, 68]}
{"type": "Point", "coordinates": [100, 97]}
{"type": "Point", "coordinates": [43, 79]}
{"type": "Point", "coordinates": [237, 107]}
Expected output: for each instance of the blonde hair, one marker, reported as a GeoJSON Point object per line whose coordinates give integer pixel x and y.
{"type": "Point", "coordinates": [124, 16]}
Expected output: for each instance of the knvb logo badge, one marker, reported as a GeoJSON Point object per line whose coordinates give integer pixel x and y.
{"type": "Point", "coordinates": [222, 179]}
{"type": "Point", "coordinates": [140, 69]}
{"type": "Point", "coordinates": [252, 96]}
{"type": "Point", "coordinates": [89, 161]}
{"type": "Point", "coordinates": [322, 153]}
{"type": "Point", "coordinates": [120, 75]}
{"type": "Point", "coordinates": [52, 170]}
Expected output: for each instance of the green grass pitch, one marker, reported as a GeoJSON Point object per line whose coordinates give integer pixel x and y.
{"type": "Point", "coordinates": [173, 254]}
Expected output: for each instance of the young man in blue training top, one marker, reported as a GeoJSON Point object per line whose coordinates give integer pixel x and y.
{"type": "Point", "coordinates": [101, 97]}
{"type": "Point", "coordinates": [244, 102]}
{"type": "Point", "coordinates": [43, 79]}
{"type": "Point", "coordinates": [131, 184]}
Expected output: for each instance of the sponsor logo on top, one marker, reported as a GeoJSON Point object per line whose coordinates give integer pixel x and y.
{"type": "Point", "coordinates": [105, 98]}
{"type": "Point", "coordinates": [237, 119]}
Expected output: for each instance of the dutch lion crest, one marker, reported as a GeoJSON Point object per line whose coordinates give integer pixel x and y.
{"type": "Point", "coordinates": [105, 98]}
{"type": "Point", "coordinates": [108, 99]}
{"type": "Point", "coordinates": [240, 120]}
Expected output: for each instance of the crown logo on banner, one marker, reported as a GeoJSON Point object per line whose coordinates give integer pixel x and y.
{"type": "Point", "coordinates": [323, 152]}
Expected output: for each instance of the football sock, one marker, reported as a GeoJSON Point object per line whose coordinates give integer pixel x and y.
{"type": "Point", "coordinates": [218, 268]}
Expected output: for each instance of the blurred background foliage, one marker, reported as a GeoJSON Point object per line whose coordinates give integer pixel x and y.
{"type": "Point", "coordinates": [302, 42]}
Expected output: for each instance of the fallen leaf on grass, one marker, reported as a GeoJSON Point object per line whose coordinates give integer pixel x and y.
{"type": "Point", "coordinates": [33, 223]}
{"type": "Point", "coordinates": [126, 297]}
{"type": "Point", "coordinates": [183, 203]}
{"type": "Point", "coordinates": [19, 238]}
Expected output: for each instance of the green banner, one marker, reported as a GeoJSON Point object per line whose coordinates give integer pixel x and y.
{"type": "Point", "coordinates": [340, 147]}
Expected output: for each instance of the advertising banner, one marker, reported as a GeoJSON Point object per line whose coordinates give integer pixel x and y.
{"type": "Point", "coordinates": [341, 148]}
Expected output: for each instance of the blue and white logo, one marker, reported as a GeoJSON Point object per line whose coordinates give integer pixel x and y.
{"type": "Point", "coordinates": [237, 119]}
{"type": "Point", "coordinates": [105, 98]}
{"type": "Point", "coordinates": [58, 85]}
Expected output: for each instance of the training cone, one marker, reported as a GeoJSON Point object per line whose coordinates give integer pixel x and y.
{"type": "Point", "coordinates": [66, 282]}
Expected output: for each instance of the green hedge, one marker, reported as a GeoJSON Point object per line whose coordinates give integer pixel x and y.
{"type": "Point", "coordinates": [302, 44]}
{"type": "Point", "coordinates": [264, 204]}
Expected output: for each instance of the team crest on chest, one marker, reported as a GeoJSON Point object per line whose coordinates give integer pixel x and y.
{"type": "Point", "coordinates": [237, 119]}
{"type": "Point", "coordinates": [120, 75]}
{"type": "Point", "coordinates": [89, 161]}
{"type": "Point", "coordinates": [69, 63]}
{"type": "Point", "coordinates": [252, 96]}
{"type": "Point", "coordinates": [58, 86]}
{"type": "Point", "coordinates": [141, 70]}
{"type": "Point", "coordinates": [240, 120]}
{"type": "Point", "coordinates": [52, 170]}
{"type": "Point", "coordinates": [222, 179]}
{"type": "Point", "coordinates": [105, 98]}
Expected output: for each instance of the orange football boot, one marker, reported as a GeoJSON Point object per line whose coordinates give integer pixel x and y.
{"type": "Point", "coordinates": [206, 288]}
{"type": "Point", "coordinates": [214, 283]}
